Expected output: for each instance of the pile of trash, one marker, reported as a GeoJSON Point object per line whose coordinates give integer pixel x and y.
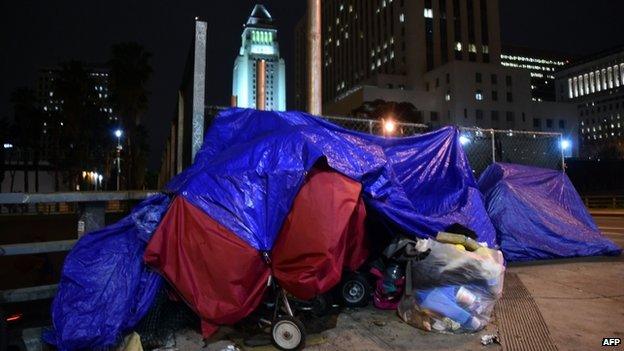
{"type": "Point", "coordinates": [455, 287]}
{"type": "Point", "coordinates": [274, 213]}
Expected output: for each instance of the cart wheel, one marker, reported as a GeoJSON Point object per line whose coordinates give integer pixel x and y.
{"type": "Point", "coordinates": [355, 290]}
{"type": "Point", "coordinates": [288, 333]}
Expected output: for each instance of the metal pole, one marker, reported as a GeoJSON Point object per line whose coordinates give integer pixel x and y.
{"type": "Point", "coordinates": [261, 85]}
{"type": "Point", "coordinates": [314, 53]}
{"type": "Point", "coordinates": [493, 147]}
{"type": "Point", "coordinates": [118, 161]}
{"type": "Point", "coordinates": [234, 101]}
{"type": "Point", "coordinates": [562, 152]}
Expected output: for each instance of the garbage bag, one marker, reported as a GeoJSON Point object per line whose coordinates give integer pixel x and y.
{"type": "Point", "coordinates": [452, 289]}
{"type": "Point", "coordinates": [539, 215]}
{"type": "Point", "coordinates": [105, 287]}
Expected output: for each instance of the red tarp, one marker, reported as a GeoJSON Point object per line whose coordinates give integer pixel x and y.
{"type": "Point", "coordinates": [223, 278]}
{"type": "Point", "coordinates": [323, 233]}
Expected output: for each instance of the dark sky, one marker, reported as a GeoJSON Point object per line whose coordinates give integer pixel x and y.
{"type": "Point", "coordinates": [42, 33]}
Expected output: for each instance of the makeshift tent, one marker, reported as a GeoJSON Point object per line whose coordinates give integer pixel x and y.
{"type": "Point", "coordinates": [224, 279]}
{"type": "Point", "coordinates": [105, 288]}
{"type": "Point", "coordinates": [539, 215]}
{"type": "Point", "coordinates": [232, 203]}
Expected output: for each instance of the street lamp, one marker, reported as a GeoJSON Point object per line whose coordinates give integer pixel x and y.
{"type": "Point", "coordinates": [464, 140]}
{"type": "Point", "coordinates": [389, 126]}
{"type": "Point", "coordinates": [118, 134]}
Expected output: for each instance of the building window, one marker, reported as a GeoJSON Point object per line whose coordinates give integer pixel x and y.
{"type": "Point", "coordinates": [509, 97]}
{"type": "Point", "coordinates": [561, 124]}
{"type": "Point", "coordinates": [478, 77]}
{"type": "Point", "coordinates": [494, 95]}
{"type": "Point", "coordinates": [494, 116]}
{"type": "Point", "coordinates": [448, 78]}
{"type": "Point", "coordinates": [447, 97]}
{"type": "Point", "coordinates": [508, 80]}
{"type": "Point", "coordinates": [428, 13]}
{"type": "Point", "coordinates": [537, 123]}
{"type": "Point", "coordinates": [437, 82]}
{"type": "Point", "coordinates": [479, 95]}
{"type": "Point", "coordinates": [509, 116]}
{"type": "Point", "coordinates": [465, 113]}
{"type": "Point", "coordinates": [549, 123]}
{"type": "Point", "coordinates": [479, 114]}
{"type": "Point", "coordinates": [402, 18]}
{"type": "Point", "coordinates": [494, 79]}
{"type": "Point", "coordinates": [434, 116]}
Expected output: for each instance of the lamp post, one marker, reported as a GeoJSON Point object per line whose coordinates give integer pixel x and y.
{"type": "Point", "coordinates": [388, 126]}
{"type": "Point", "coordinates": [118, 134]}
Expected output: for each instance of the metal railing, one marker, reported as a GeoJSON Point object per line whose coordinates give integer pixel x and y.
{"type": "Point", "coordinates": [604, 201]}
{"type": "Point", "coordinates": [91, 210]}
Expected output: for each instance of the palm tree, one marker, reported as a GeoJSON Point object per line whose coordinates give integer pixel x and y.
{"type": "Point", "coordinates": [130, 72]}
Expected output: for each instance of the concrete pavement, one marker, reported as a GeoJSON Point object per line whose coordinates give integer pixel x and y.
{"type": "Point", "coordinates": [581, 301]}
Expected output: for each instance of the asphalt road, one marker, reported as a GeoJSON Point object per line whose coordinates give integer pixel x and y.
{"type": "Point", "coordinates": [612, 227]}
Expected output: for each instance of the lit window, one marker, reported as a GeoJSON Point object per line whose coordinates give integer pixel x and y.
{"type": "Point", "coordinates": [458, 46]}
{"type": "Point", "coordinates": [604, 79]}
{"type": "Point", "coordinates": [402, 18]}
{"type": "Point", "coordinates": [428, 13]}
{"type": "Point", "coordinates": [472, 48]}
{"type": "Point", "coordinates": [616, 75]}
{"type": "Point", "coordinates": [610, 77]}
{"type": "Point", "coordinates": [479, 95]}
{"type": "Point", "coordinates": [486, 49]}
{"type": "Point", "coordinates": [592, 85]}
{"type": "Point", "coordinates": [581, 85]}
{"type": "Point", "coordinates": [447, 97]}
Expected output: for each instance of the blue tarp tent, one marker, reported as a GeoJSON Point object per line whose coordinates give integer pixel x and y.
{"type": "Point", "coordinates": [105, 288]}
{"type": "Point", "coordinates": [245, 177]}
{"type": "Point", "coordinates": [253, 163]}
{"type": "Point", "coordinates": [539, 215]}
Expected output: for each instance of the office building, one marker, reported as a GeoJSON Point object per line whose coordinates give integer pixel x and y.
{"type": "Point", "coordinates": [541, 65]}
{"type": "Point", "coordinates": [441, 56]}
{"type": "Point", "coordinates": [595, 85]}
{"type": "Point", "coordinates": [98, 81]}
{"type": "Point", "coordinates": [259, 42]}
{"type": "Point", "coordinates": [395, 42]}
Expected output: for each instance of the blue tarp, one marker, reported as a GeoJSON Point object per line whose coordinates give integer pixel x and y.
{"type": "Point", "coordinates": [245, 177]}
{"type": "Point", "coordinates": [253, 163]}
{"type": "Point", "coordinates": [539, 215]}
{"type": "Point", "coordinates": [105, 288]}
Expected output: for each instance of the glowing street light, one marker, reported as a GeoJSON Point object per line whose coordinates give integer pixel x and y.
{"type": "Point", "coordinates": [118, 133]}
{"type": "Point", "coordinates": [565, 144]}
{"type": "Point", "coordinates": [389, 126]}
{"type": "Point", "coordinates": [464, 140]}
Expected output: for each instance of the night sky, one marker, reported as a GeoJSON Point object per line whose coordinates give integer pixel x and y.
{"type": "Point", "coordinates": [36, 34]}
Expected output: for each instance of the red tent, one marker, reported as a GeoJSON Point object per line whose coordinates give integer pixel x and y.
{"type": "Point", "coordinates": [224, 279]}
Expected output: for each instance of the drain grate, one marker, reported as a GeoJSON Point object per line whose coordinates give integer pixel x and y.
{"type": "Point", "coordinates": [520, 323]}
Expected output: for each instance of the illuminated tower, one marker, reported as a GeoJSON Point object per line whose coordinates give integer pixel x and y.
{"type": "Point", "coordinates": [259, 42]}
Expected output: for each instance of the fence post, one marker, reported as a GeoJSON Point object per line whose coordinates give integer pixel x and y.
{"type": "Point", "coordinates": [370, 127]}
{"type": "Point", "coordinates": [493, 147]}
{"type": "Point", "coordinates": [562, 152]}
{"type": "Point", "coordinates": [92, 215]}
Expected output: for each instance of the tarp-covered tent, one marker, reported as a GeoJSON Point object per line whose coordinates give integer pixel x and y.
{"type": "Point", "coordinates": [105, 288]}
{"type": "Point", "coordinates": [241, 189]}
{"type": "Point", "coordinates": [539, 215]}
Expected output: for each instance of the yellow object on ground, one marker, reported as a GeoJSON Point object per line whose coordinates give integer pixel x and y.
{"type": "Point", "coordinates": [132, 342]}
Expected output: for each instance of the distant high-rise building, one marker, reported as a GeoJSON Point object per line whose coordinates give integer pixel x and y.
{"type": "Point", "coordinates": [441, 56]}
{"type": "Point", "coordinates": [259, 42]}
{"type": "Point", "coordinates": [398, 41]}
{"type": "Point", "coordinates": [541, 65]}
{"type": "Point", "coordinates": [98, 80]}
{"type": "Point", "coordinates": [595, 85]}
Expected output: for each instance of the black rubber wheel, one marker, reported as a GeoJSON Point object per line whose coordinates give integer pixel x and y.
{"type": "Point", "coordinates": [288, 333]}
{"type": "Point", "coordinates": [355, 290]}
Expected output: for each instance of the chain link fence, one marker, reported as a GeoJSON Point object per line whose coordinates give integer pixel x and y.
{"type": "Point", "coordinates": [482, 146]}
